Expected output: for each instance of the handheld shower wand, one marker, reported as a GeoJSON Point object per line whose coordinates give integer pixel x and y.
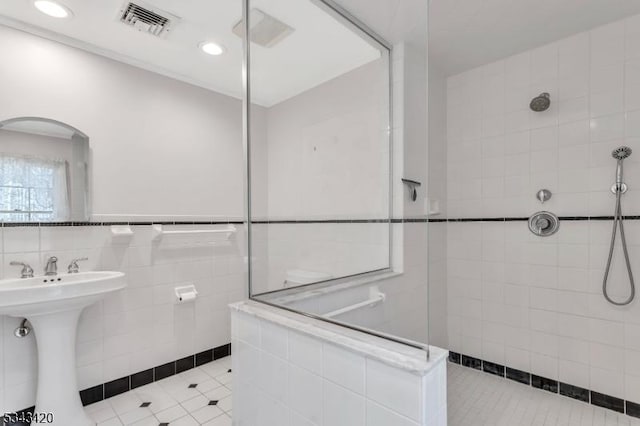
{"type": "Point", "coordinates": [618, 189]}
{"type": "Point", "coordinates": [620, 154]}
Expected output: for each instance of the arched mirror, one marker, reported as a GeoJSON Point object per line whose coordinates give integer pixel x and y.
{"type": "Point", "coordinates": [44, 171]}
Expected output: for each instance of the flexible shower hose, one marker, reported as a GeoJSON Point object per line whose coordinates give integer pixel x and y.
{"type": "Point", "coordinates": [618, 221]}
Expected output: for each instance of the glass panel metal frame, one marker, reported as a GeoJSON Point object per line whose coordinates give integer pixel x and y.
{"type": "Point", "coordinates": [353, 23]}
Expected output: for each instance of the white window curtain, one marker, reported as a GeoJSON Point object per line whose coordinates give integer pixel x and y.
{"type": "Point", "coordinates": [33, 189]}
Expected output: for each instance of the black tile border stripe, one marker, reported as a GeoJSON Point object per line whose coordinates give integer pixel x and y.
{"type": "Point", "coordinates": [124, 223]}
{"type": "Point", "coordinates": [305, 222]}
{"type": "Point", "coordinates": [116, 387]}
{"type": "Point", "coordinates": [471, 362]}
{"type": "Point", "coordinates": [525, 219]}
{"type": "Point", "coordinates": [544, 383]}
{"type": "Point", "coordinates": [493, 368]}
{"type": "Point", "coordinates": [606, 401]}
{"type": "Point", "coordinates": [141, 378]}
{"type": "Point", "coordinates": [518, 376]}
{"type": "Point", "coordinates": [575, 392]}
{"type": "Point", "coordinates": [206, 222]}
{"type": "Point", "coordinates": [632, 409]}
{"type": "Point", "coordinates": [553, 386]}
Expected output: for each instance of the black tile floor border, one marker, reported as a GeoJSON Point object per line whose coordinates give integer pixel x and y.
{"type": "Point", "coordinates": [493, 368]}
{"type": "Point", "coordinates": [204, 357]}
{"type": "Point", "coordinates": [544, 383]}
{"type": "Point", "coordinates": [454, 357]}
{"type": "Point", "coordinates": [607, 401]}
{"type": "Point", "coordinates": [518, 376]}
{"type": "Point", "coordinates": [142, 378]}
{"type": "Point", "coordinates": [469, 361]}
{"type": "Point", "coordinates": [116, 387]}
{"type": "Point", "coordinates": [185, 364]}
{"type": "Point", "coordinates": [222, 351]}
{"type": "Point", "coordinates": [575, 392]}
{"type": "Point", "coordinates": [632, 409]}
{"type": "Point", "coordinates": [124, 384]}
{"type": "Point", "coordinates": [91, 395]}
{"type": "Point", "coordinates": [165, 370]}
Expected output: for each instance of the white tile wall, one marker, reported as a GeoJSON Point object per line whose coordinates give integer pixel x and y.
{"type": "Point", "coordinates": [328, 388]}
{"type": "Point", "coordinates": [541, 313]}
{"type": "Point", "coordinates": [138, 328]}
{"type": "Point", "coordinates": [334, 249]}
{"type": "Point", "coordinates": [317, 139]}
{"type": "Point", "coordinates": [500, 152]}
{"type": "Point", "coordinates": [535, 303]}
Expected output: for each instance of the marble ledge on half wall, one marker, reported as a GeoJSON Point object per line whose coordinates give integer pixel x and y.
{"type": "Point", "coordinates": [391, 353]}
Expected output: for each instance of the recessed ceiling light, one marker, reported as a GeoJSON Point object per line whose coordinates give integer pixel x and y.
{"type": "Point", "coordinates": [211, 48]}
{"type": "Point", "coordinates": [52, 8]}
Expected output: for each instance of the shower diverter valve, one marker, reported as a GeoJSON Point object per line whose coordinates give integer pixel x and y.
{"type": "Point", "coordinates": [544, 224]}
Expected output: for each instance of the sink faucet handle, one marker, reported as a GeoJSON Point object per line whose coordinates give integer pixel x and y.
{"type": "Point", "coordinates": [73, 265]}
{"type": "Point", "coordinates": [27, 271]}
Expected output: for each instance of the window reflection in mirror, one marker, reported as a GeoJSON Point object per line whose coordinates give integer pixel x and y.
{"type": "Point", "coordinates": [43, 171]}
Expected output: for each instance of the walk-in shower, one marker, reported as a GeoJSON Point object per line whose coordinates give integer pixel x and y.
{"type": "Point", "coordinates": [619, 188]}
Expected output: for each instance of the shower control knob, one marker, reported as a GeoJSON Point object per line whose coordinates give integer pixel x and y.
{"type": "Point", "coordinates": [543, 195]}
{"type": "Point", "coordinates": [544, 224]}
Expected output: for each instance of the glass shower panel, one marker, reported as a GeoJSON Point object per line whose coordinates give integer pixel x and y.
{"type": "Point", "coordinates": [320, 147]}
{"type": "Point", "coordinates": [320, 141]}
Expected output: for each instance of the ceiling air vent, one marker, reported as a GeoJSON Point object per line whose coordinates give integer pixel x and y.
{"type": "Point", "coordinates": [147, 19]}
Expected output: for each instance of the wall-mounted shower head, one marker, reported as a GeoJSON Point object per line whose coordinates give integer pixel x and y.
{"type": "Point", "coordinates": [540, 103]}
{"type": "Point", "coordinates": [621, 153]}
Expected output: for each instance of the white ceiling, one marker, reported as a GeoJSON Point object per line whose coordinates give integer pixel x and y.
{"type": "Point", "coordinates": [464, 34]}
{"type": "Point", "coordinates": [395, 20]}
{"type": "Point", "coordinates": [320, 48]}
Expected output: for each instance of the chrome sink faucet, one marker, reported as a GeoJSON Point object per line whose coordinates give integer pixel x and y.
{"type": "Point", "coordinates": [27, 271]}
{"type": "Point", "coordinates": [52, 267]}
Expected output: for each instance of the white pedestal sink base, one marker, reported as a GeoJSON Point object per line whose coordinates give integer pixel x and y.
{"type": "Point", "coordinates": [53, 308]}
{"type": "Point", "coordinates": [57, 380]}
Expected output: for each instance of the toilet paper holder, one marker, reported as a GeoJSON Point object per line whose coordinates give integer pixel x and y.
{"type": "Point", "coordinates": [186, 293]}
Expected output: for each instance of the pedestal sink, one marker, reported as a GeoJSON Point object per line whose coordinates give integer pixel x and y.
{"type": "Point", "coordinates": [53, 306]}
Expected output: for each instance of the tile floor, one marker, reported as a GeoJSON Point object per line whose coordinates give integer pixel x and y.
{"type": "Point", "coordinates": [475, 399]}
{"type": "Point", "coordinates": [201, 396]}
{"type": "Point", "coordinates": [480, 399]}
